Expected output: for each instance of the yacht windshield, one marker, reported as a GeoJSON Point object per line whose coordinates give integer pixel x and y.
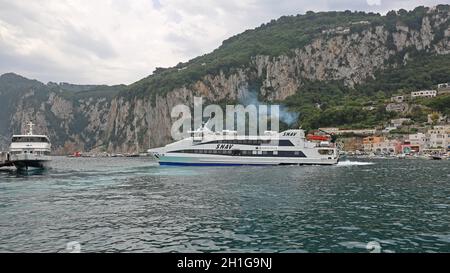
{"type": "Point", "coordinates": [30, 139]}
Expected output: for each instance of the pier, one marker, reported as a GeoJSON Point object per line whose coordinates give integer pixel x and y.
{"type": "Point", "coordinates": [4, 160]}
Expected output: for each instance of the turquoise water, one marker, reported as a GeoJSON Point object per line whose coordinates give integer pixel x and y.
{"type": "Point", "coordinates": [133, 205]}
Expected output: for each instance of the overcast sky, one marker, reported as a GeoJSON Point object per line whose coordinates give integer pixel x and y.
{"type": "Point", "coordinates": [121, 41]}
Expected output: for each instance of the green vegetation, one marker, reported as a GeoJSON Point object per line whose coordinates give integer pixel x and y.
{"type": "Point", "coordinates": [439, 103]}
{"type": "Point", "coordinates": [323, 104]}
{"type": "Point", "coordinates": [274, 38]}
{"type": "Point", "coordinates": [423, 71]}
{"type": "Point", "coordinates": [348, 108]}
{"type": "Point", "coordinates": [95, 92]}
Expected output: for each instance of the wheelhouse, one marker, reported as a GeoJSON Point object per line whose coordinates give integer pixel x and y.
{"type": "Point", "coordinates": [32, 139]}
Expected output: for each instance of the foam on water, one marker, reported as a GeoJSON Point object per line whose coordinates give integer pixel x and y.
{"type": "Point", "coordinates": [353, 163]}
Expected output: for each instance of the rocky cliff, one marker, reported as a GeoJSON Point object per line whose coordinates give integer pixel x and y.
{"type": "Point", "coordinates": [132, 121]}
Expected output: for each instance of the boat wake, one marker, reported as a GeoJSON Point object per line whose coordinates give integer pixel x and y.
{"type": "Point", "coordinates": [353, 163]}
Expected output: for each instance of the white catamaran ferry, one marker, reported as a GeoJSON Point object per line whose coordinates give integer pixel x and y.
{"type": "Point", "coordinates": [207, 148]}
{"type": "Point", "coordinates": [30, 150]}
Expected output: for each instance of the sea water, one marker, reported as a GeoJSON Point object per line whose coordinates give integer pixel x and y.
{"type": "Point", "coordinates": [134, 205]}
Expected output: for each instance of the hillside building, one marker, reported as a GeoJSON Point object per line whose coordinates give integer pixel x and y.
{"type": "Point", "coordinates": [398, 99]}
{"type": "Point", "coordinates": [424, 94]}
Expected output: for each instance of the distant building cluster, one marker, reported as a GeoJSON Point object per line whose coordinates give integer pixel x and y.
{"type": "Point", "coordinates": [399, 135]}
{"type": "Point", "coordinates": [398, 102]}
{"type": "Point", "coordinates": [436, 139]}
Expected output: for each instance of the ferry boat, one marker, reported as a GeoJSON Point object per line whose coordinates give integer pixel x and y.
{"type": "Point", "coordinates": [30, 150]}
{"type": "Point", "coordinates": [226, 148]}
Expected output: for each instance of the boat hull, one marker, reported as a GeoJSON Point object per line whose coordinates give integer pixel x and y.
{"type": "Point", "coordinates": [210, 160]}
{"type": "Point", "coordinates": [31, 164]}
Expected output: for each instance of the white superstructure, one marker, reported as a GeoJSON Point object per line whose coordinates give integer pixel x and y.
{"type": "Point", "coordinates": [29, 150]}
{"type": "Point", "coordinates": [207, 148]}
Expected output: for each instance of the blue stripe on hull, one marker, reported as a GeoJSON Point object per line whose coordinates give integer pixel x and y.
{"type": "Point", "coordinates": [209, 164]}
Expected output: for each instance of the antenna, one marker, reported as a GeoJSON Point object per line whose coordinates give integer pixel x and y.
{"type": "Point", "coordinates": [30, 128]}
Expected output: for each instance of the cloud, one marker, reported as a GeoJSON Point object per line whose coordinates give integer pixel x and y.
{"type": "Point", "coordinates": [110, 42]}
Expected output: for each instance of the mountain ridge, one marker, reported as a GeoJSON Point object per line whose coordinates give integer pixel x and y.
{"type": "Point", "coordinates": [132, 118]}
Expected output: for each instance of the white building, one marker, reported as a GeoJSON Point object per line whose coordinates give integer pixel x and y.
{"type": "Point", "coordinates": [397, 107]}
{"type": "Point", "coordinates": [398, 99]}
{"type": "Point", "coordinates": [436, 138]}
{"type": "Point", "coordinates": [384, 147]}
{"type": "Point", "coordinates": [424, 94]}
{"type": "Point", "coordinates": [399, 121]}
{"type": "Point", "coordinates": [439, 137]}
{"type": "Point", "coordinates": [419, 139]}
{"type": "Point", "coordinates": [443, 88]}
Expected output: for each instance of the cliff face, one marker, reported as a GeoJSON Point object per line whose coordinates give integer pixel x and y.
{"type": "Point", "coordinates": [132, 123]}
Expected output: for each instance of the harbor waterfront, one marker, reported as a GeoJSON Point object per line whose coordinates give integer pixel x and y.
{"type": "Point", "coordinates": [134, 205]}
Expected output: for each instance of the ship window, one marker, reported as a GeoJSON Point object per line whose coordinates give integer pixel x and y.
{"type": "Point", "coordinates": [325, 152]}
{"type": "Point", "coordinates": [236, 152]}
{"type": "Point", "coordinates": [285, 142]}
{"type": "Point", "coordinates": [29, 139]}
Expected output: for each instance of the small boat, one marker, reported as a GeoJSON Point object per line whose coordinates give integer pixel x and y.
{"type": "Point", "coordinates": [75, 154]}
{"type": "Point", "coordinates": [436, 157]}
{"type": "Point", "coordinates": [30, 150]}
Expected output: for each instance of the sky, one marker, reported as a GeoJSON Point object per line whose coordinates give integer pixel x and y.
{"type": "Point", "coordinates": [122, 41]}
